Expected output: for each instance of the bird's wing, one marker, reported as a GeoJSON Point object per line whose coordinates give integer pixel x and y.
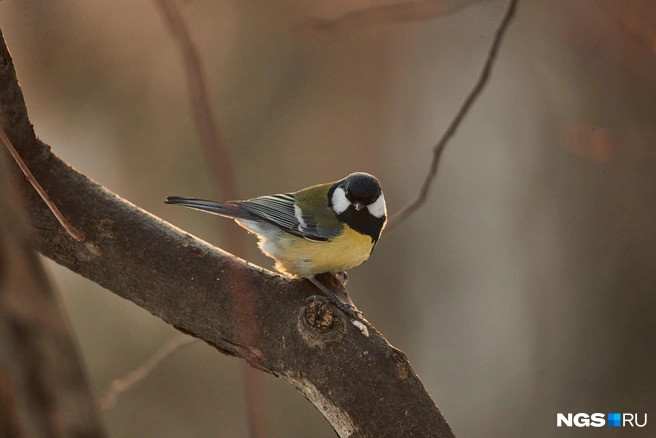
{"type": "Point", "coordinates": [281, 210]}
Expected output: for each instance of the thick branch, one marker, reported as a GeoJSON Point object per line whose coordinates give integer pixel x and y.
{"type": "Point", "coordinates": [362, 385]}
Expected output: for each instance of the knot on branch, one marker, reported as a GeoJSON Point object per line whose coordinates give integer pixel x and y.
{"type": "Point", "coordinates": [402, 365]}
{"type": "Point", "coordinates": [319, 326]}
{"type": "Point", "coordinates": [319, 316]}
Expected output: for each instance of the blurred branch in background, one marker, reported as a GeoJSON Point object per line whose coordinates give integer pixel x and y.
{"type": "Point", "coordinates": [386, 14]}
{"type": "Point", "coordinates": [208, 129]}
{"type": "Point", "coordinates": [415, 205]}
{"type": "Point", "coordinates": [43, 387]}
{"type": "Point", "coordinates": [637, 19]}
{"type": "Point", "coordinates": [220, 165]}
{"type": "Point", "coordinates": [109, 398]}
{"type": "Point", "coordinates": [309, 346]}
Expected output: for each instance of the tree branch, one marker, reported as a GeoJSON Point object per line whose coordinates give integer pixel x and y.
{"type": "Point", "coordinates": [362, 385]}
{"type": "Point", "coordinates": [415, 205]}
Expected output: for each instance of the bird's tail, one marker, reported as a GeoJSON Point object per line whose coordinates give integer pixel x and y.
{"type": "Point", "coordinates": [225, 209]}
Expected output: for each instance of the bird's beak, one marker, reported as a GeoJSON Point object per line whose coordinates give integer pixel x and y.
{"type": "Point", "coordinates": [358, 206]}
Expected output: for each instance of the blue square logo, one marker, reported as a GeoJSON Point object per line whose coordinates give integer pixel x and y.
{"type": "Point", "coordinates": [615, 420]}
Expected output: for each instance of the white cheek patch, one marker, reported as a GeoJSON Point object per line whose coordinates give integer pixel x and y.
{"type": "Point", "coordinates": [340, 203]}
{"type": "Point", "coordinates": [378, 208]}
{"type": "Point", "coordinates": [299, 216]}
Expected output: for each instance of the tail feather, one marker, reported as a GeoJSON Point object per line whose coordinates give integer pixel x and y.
{"type": "Point", "coordinates": [233, 211]}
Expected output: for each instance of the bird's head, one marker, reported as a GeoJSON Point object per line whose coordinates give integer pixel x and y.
{"type": "Point", "coordinates": [358, 201]}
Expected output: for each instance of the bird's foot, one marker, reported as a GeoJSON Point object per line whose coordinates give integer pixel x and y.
{"type": "Point", "coordinates": [331, 298]}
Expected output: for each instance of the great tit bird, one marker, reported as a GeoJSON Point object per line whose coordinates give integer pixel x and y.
{"type": "Point", "coordinates": [327, 228]}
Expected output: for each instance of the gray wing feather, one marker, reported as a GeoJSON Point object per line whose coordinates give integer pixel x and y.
{"type": "Point", "coordinates": [279, 210]}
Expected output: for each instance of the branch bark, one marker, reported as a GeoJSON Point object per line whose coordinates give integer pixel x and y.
{"type": "Point", "coordinates": [362, 385]}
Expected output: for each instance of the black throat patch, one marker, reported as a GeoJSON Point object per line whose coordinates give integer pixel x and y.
{"type": "Point", "coordinates": [363, 222]}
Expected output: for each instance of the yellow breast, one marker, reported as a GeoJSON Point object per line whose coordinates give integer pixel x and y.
{"type": "Point", "coordinates": [304, 258]}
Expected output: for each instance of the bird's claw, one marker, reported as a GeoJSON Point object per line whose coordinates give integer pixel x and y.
{"type": "Point", "coordinates": [335, 301]}
{"type": "Point", "coordinates": [342, 277]}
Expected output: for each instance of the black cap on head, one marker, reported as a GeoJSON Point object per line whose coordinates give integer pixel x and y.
{"type": "Point", "coordinates": [361, 187]}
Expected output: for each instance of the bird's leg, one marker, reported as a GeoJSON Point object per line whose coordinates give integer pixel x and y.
{"type": "Point", "coordinates": [342, 277]}
{"type": "Point", "coordinates": [332, 298]}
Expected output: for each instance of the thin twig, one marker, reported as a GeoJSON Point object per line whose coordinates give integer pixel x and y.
{"type": "Point", "coordinates": [386, 14]}
{"type": "Point", "coordinates": [108, 400]}
{"type": "Point", "coordinates": [413, 206]}
{"type": "Point", "coordinates": [70, 229]}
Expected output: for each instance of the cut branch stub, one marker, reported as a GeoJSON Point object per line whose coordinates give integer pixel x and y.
{"type": "Point", "coordinates": [319, 326]}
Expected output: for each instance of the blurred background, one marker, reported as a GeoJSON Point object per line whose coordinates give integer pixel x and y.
{"type": "Point", "coordinates": [525, 287]}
